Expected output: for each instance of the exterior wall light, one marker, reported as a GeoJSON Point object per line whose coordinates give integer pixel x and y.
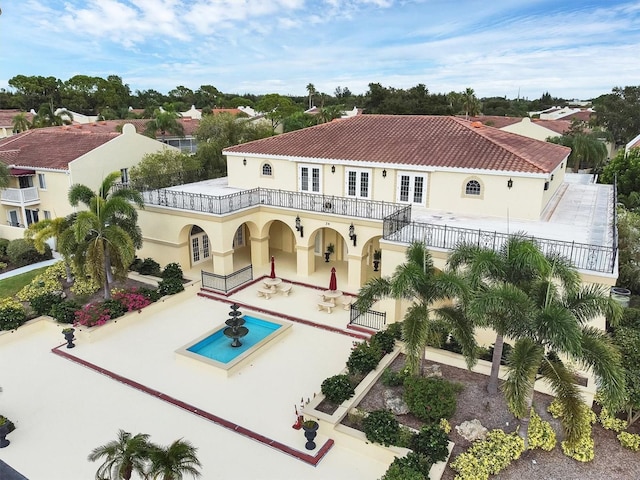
{"type": "Point", "coordinates": [509, 183]}
{"type": "Point", "coordinates": [244, 162]}
{"type": "Point", "coordinates": [352, 234]}
{"type": "Point", "coordinates": [333, 169]}
{"type": "Point", "coordinates": [384, 173]}
{"type": "Point", "coordinates": [299, 226]}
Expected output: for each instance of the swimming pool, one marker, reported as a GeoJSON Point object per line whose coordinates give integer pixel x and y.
{"type": "Point", "coordinates": [215, 349]}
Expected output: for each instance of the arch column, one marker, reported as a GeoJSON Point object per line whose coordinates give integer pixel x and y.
{"type": "Point", "coordinates": [259, 251]}
{"type": "Point", "coordinates": [223, 262]}
{"type": "Point", "coordinates": [354, 270]}
{"type": "Point", "coordinates": [305, 260]}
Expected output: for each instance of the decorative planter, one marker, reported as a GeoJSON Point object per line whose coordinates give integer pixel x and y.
{"type": "Point", "coordinates": [5, 429]}
{"type": "Point", "coordinates": [326, 256]}
{"type": "Point", "coordinates": [310, 432]}
{"type": "Point", "coordinates": [376, 265]}
{"type": "Point", "coordinates": [68, 336]}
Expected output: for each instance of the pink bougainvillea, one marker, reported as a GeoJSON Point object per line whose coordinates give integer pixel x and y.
{"type": "Point", "coordinates": [92, 314]}
{"type": "Point", "coordinates": [132, 300]}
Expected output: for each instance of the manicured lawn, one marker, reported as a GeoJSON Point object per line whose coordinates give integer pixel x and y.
{"type": "Point", "coordinates": [12, 285]}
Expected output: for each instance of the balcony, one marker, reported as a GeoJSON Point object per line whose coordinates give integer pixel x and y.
{"type": "Point", "coordinates": [20, 197]}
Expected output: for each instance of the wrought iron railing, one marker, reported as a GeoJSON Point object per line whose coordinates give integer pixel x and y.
{"type": "Point", "coordinates": [583, 256]}
{"type": "Point", "coordinates": [226, 283]}
{"type": "Point", "coordinates": [396, 221]}
{"type": "Point", "coordinates": [369, 318]}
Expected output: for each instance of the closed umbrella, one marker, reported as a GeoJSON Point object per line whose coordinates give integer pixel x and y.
{"type": "Point", "coordinates": [333, 282]}
{"type": "Point", "coordinates": [273, 268]}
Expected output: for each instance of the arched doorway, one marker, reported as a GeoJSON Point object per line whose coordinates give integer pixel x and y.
{"type": "Point", "coordinates": [199, 245]}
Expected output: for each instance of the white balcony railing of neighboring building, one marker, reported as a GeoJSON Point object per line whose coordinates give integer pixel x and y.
{"type": "Point", "coordinates": [20, 196]}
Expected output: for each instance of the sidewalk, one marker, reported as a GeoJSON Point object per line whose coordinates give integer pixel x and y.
{"type": "Point", "coordinates": [12, 273]}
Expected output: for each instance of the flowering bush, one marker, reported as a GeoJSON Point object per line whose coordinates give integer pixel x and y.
{"type": "Point", "coordinates": [610, 422]}
{"type": "Point", "coordinates": [46, 282]}
{"type": "Point", "coordinates": [445, 425]}
{"type": "Point", "coordinates": [582, 448]}
{"type": "Point", "coordinates": [131, 300]}
{"type": "Point", "coordinates": [12, 314]}
{"type": "Point", "coordinates": [540, 434]}
{"type": "Point", "coordinates": [92, 314]}
{"type": "Point", "coordinates": [629, 440]}
{"type": "Point", "coordinates": [488, 457]}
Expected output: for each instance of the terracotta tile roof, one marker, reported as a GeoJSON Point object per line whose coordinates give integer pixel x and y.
{"type": "Point", "coordinates": [582, 115]}
{"type": "Point", "coordinates": [424, 141]}
{"type": "Point", "coordinates": [496, 121]}
{"type": "Point", "coordinates": [232, 111]}
{"type": "Point", "coordinates": [51, 147]}
{"type": "Point", "coordinates": [558, 126]}
{"type": "Point", "coordinates": [6, 117]}
{"type": "Point", "coordinates": [109, 126]}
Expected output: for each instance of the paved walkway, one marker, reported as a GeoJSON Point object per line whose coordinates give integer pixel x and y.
{"type": "Point", "coordinates": [62, 409]}
{"type": "Point", "coordinates": [28, 268]}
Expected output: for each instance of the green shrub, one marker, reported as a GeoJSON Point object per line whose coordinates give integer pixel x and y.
{"type": "Point", "coordinates": [42, 303]}
{"type": "Point", "coordinates": [172, 270]}
{"type": "Point", "coordinates": [65, 312]}
{"type": "Point", "coordinates": [631, 318]}
{"type": "Point", "coordinates": [384, 340]}
{"type": "Point", "coordinates": [382, 427]}
{"type": "Point", "coordinates": [149, 267]}
{"type": "Point", "coordinates": [116, 308]}
{"type": "Point", "coordinates": [363, 358]}
{"type": "Point", "coordinates": [12, 314]}
{"type": "Point", "coordinates": [431, 399]}
{"type": "Point", "coordinates": [21, 252]}
{"type": "Point", "coordinates": [392, 378]}
{"type": "Point", "coordinates": [170, 286]}
{"type": "Point", "coordinates": [629, 440]}
{"type": "Point", "coordinates": [582, 448]}
{"type": "Point", "coordinates": [489, 456]}
{"type": "Point", "coordinates": [151, 293]}
{"type": "Point", "coordinates": [4, 243]}
{"type": "Point", "coordinates": [432, 442]}
{"type": "Point", "coordinates": [3, 265]}
{"type": "Point", "coordinates": [395, 330]}
{"type": "Point", "coordinates": [540, 434]}
{"type": "Point", "coordinates": [337, 389]}
{"type": "Point", "coordinates": [412, 467]}
{"type": "Point", "coordinates": [135, 265]}
{"type": "Point", "coordinates": [610, 422]}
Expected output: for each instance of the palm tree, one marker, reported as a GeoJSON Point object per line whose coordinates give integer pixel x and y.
{"type": "Point", "coordinates": [20, 122]}
{"type": "Point", "coordinates": [107, 233]}
{"type": "Point", "coordinates": [47, 117]}
{"type": "Point", "coordinates": [558, 327]}
{"type": "Point", "coordinates": [58, 229]}
{"type": "Point", "coordinates": [164, 121]}
{"type": "Point", "coordinates": [470, 103]}
{"type": "Point", "coordinates": [174, 461]}
{"type": "Point", "coordinates": [500, 280]}
{"type": "Point", "coordinates": [122, 457]}
{"type": "Point", "coordinates": [418, 281]}
{"type": "Point", "coordinates": [311, 90]}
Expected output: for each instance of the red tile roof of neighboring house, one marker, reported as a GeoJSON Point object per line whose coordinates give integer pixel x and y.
{"type": "Point", "coordinates": [109, 126]}
{"type": "Point", "coordinates": [232, 111]}
{"type": "Point", "coordinates": [559, 126]}
{"type": "Point", "coordinates": [53, 147]}
{"type": "Point", "coordinates": [496, 121]}
{"type": "Point", "coordinates": [426, 141]}
{"type": "Point", "coordinates": [582, 115]}
{"type": "Point", "coordinates": [6, 117]}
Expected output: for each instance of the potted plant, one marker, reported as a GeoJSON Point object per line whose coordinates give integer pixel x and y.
{"type": "Point", "coordinates": [377, 255]}
{"type": "Point", "coordinates": [330, 250]}
{"type": "Point", "coordinates": [68, 336]}
{"type": "Point", "coordinates": [310, 428]}
{"type": "Point", "coordinates": [6, 427]}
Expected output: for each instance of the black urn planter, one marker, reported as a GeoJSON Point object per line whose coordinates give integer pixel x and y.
{"type": "Point", "coordinates": [68, 336]}
{"type": "Point", "coordinates": [5, 429]}
{"type": "Point", "coordinates": [310, 431]}
{"type": "Point", "coordinates": [326, 256]}
{"type": "Point", "coordinates": [376, 265]}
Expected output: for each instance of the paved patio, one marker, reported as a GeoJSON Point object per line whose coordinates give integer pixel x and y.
{"type": "Point", "coordinates": [63, 409]}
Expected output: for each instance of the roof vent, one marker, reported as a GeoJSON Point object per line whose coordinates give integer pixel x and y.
{"type": "Point", "coordinates": [476, 124]}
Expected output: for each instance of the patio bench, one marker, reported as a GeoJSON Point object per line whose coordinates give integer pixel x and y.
{"type": "Point", "coordinates": [285, 288]}
{"type": "Point", "coordinates": [265, 292]}
{"type": "Point", "coordinates": [327, 305]}
{"type": "Point", "coordinates": [347, 302]}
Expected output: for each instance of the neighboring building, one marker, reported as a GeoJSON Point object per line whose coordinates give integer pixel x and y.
{"type": "Point", "coordinates": [45, 162]}
{"type": "Point", "coordinates": [532, 128]}
{"type": "Point", "coordinates": [6, 121]}
{"type": "Point", "coordinates": [635, 143]}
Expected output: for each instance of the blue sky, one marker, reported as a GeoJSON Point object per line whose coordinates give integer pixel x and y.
{"type": "Point", "coordinates": [572, 49]}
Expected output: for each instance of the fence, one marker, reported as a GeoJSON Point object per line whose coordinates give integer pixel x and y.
{"type": "Point", "coordinates": [369, 318]}
{"type": "Point", "coordinates": [226, 283]}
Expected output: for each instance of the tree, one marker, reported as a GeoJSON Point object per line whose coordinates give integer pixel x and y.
{"type": "Point", "coordinates": [625, 167]}
{"type": "Point", "coordinates": [276, 108]}
{"type": "Point", "coordinates": [557, 328]}
{"type": "Point", "coordinates": [164, 121]}
{"type": "Point", "coordinates": [311, 90]}
{"type": "Point", "coordinates": [298, 121]}
{"type": "Point", "coordinates": [33, 91]}
{"type": "Point", "coordinates": [417, 281]}
{"type": "Point", "coordinates": [627, 339]}
{"type": "Point", "coordinates": [174, 461]}
{"type": "Point", "coordinates": [331, 112]}
{"type": "Point", "coordinates": [122, 457]}
{"type": "Point", "coordinates": [494, 274]}
{"type": "Point", "coordinates": [164, 169]}
{"type": "Point", "coordinates": [619, 113]}
{"type": "Point", "coordinates": [48, 117]}
{"type": "Point", "coordinates": [5, 176]}
{"type": "Point", "coordinates": [470, 103]}
{"type": "Point", "coordinates": [20, 123]}
{"type": "Point", "coordinates": [629, 249]}
{"type": "Point", "coordinates": [58, 229]}
{"type": "Point", "coordinates": [182, 97]}
{"type": "Point", "coordinates": [107, 233]}
{"type": "Point", "coordinates": [587, 149]}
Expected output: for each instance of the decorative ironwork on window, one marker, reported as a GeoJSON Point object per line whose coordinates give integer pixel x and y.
{"type": "Point", "coordinates": [267, 170]}
{"type": "Point", "coordinates": [472, 188]}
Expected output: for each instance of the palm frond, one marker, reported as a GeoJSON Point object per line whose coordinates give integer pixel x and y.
{"type": "Point", "coordinates": [592, 301]}
{"type": "Point", "coordinates": [522, 363]}
{"type": "Point", "coordinates": [556, 327]}
{"type": "Point", "coordinates": [462, 329]}
{"type": "Point", "coordinates": [371, 291]}
{"type": "Point", "coordinates": [415, 333]}
{"type": "Point", "coordinates": [80, 194]}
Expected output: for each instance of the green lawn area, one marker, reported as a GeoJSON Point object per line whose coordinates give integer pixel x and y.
{"type": "Point", "coordinates": [12, 285]}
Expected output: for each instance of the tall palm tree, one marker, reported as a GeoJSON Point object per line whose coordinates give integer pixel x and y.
{"type": "Point", "coordinates": [174, 461]}
{"type": "Point", "coordinates": [311, 90]}
{"type": "Point", "coordinates": [107, 233]}
{"type": "Point", "coordinates": [164, 121]}
{"type": "Point", "coordinates": [558, 328]}
{"type": "Point", "coordinates": [48, 117]}
{"type": "Point", "coordinates": [501, 280]}
{"type": "Point", "coordinates": [122, 457]}
{"type": "Point", "coordinates": [470, 103]}
{"type": "Point", "coordinates": [20, 122]}
{"type": "Point", "coordinates": [58, 229]}
{"type": "Point", "coordinates": [418, 281]}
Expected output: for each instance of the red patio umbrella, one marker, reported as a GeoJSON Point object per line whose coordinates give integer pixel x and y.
{"type": "Point", "coordinates": [273, 268]}
{"type": "Point", "coordinates": [333, 282]}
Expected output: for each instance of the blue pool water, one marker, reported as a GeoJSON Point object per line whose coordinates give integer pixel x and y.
{"type": "Point", "coordinates": [218, 347]}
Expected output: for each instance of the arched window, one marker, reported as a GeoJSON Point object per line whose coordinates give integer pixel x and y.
{"type": "Point", "coordinates": [472, 188]}
{"type": "Point", "coordinates": [266, 170]}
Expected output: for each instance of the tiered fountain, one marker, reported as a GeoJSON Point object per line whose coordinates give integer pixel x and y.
{"type": "Point", "coordinates": [236, 329]}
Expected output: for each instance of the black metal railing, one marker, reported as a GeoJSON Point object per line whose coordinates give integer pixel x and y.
{"type": "Point", "coordinates": [226, 283]}
{"type": "Point", "coordinates": [583, 256]}
{"type": "Point", "coordinates": [369, 318]}
{"type": "Point", "coordinates": [396, 221]}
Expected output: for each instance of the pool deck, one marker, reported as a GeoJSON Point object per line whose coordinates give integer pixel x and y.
{"type": "Point", "coordinates": [65, 402]}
